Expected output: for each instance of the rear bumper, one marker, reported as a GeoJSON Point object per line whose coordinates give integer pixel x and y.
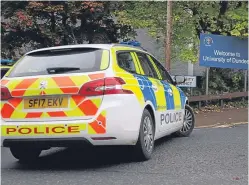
{"type": "Point", "coordinates": [46, 142]}
{"type": "Point", "coordinates": [114, 136]}
{"type": "Point", "coordinates": [117, 123]}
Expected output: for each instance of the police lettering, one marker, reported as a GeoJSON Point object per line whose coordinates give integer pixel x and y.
{"type": "Point", "coordinates": [172, 117]}
{"type": "Point", "coordinates": [44, 130]}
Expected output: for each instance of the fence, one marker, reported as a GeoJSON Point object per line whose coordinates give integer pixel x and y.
{"type": "Point", "coordinates": [220, 98]}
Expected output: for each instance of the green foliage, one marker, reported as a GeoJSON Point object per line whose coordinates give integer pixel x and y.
{"type": "Point", "coordinates": [190, 18]}
{"type": "Point", "coordinates": [237, 20]}
{"type": "Point", "coordinates": [225, 80]}
{"type": "Point", "coordinates": [36, 24]}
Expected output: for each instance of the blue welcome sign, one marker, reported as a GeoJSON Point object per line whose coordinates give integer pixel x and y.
{"type": "Point", "coordinates": [223, 51]}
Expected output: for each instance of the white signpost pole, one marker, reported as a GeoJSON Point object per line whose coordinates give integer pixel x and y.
{"type": "Point", "coordinates": [207, 77]}
{"type": "Point", "coordinates": [245, 81]}
{"type": "Point", "coordinates": [190, 73]}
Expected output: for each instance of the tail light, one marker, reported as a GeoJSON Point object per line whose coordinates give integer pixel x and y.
{"type": "Point", "coordinates": [5, 93]}
{"type": "Point", "coordinates": [104, 87]}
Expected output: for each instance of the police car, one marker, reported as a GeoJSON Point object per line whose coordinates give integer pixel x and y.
{"type": "Point", "coordinates": [6, 65]}
{"type": "Point", "coordinates": [97, 94]}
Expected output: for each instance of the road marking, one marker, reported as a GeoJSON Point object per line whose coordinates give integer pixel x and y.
{"type": "Point", "coordinates": [220, 125]}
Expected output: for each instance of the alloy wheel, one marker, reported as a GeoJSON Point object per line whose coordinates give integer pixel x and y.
{"type": "Point", "coordinates": [148, 134]}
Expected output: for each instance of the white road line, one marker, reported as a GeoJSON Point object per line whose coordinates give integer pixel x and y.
{"type": "Point", "coordinates": [220, 125]}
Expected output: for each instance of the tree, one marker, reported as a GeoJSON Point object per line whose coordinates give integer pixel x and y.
{"type": "Point", "coordinates": [36, 24]}
{"type": "Point", "coordinates": [190, 18]}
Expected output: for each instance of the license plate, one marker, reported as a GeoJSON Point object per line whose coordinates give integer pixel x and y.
{"type": "Point", "coordinates": [48, 102]}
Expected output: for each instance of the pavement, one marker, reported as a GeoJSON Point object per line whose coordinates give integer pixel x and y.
{"type": "Point", "coordinates": [210, 156]}
{"type": "Point", "coordinates": [221, 117]}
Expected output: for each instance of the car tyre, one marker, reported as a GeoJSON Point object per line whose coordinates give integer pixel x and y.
{"type": "Point", "coordinates": [145, 144]}
{"type": "Point", "coordinates": [189, 123]}
{"type": "Point", "coordinates": [24, 154]}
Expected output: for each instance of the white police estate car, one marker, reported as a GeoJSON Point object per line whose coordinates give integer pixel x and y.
{"type": "Point", "coordinates": [101, 94]}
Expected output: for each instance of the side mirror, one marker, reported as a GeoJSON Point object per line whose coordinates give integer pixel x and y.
{"type": "Point", "coordinates": [179, 79]}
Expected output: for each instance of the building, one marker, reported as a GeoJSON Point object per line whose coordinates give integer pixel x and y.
{"type": "Point", "coordinates": [177, 68]}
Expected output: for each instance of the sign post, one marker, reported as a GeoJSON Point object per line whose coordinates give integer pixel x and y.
{"type": "Point", "coordinates": [168, 35]}
{"type": "Point", "coordinates": [245, 81]}
{"type": "Point", "coordinates": [207, 77]}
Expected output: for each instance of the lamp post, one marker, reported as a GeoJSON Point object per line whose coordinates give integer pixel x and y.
{"type": "Point", "coordinates": [168, 35]}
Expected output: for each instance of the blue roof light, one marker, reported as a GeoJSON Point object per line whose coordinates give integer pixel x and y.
{"type": "Point", "coordinates": [4, 61]}
{"type": "Point", "coordinates": [133, 43]}
{"type": "Point", "coordinates": [7, 62]}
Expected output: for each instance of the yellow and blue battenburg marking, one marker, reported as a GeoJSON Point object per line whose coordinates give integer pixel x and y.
{"type": "Point", "coordinates": [145, 86]}
{"type": "Point", "coordinates": [183, 97]}
{"type": "Point", "coordinates": [169, 96]}
{"type": "Point", "coordinates": [174, 97]}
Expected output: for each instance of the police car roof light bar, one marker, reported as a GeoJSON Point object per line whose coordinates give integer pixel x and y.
{"type": "Point", "coordinates": [132, 43]}
{"type": "Point", "coordinates": [6, 62]}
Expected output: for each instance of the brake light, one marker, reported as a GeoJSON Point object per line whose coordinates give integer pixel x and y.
{"type": "Point", "coordinates": [89, 89]}
{"type": "Point", "coordinates": [5, 93]}
{"type": "Point", "coordinates": [111, 85]}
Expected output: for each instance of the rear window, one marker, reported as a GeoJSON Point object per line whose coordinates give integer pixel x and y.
{"type": "Point", "coordinates": [61, 61]}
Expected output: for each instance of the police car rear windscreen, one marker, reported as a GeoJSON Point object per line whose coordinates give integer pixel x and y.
{"type": "Point", "coordinates": [76, 60]}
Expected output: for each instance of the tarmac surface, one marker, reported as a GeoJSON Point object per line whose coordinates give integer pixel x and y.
{"type": "Point", "coordinates": [210, 156]}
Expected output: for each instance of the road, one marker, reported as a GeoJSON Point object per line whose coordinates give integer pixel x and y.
{"type": "Point", "coordinates": [210, 156]}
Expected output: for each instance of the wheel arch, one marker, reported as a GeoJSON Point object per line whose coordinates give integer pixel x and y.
{"type": "Point", "coordinates": [186, 101]}
{"type": "Point", "coordinates": [151, 109]}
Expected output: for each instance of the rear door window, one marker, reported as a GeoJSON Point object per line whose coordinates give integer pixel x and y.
{"type": "Point", "coordinates": [146, 65]}
{"type": "Point", "coordinates": [163, 72]}
{"type": "Point", "coordinates": [74, 60]}
{"type": "Point", "coordinates": [126, 62]}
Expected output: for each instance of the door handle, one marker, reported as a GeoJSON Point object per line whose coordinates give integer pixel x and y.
{"type": "Point", "coordinates": [154, 87]}
{"type": "Point", "coordinates": [138, 78]}
{"type": "Point", "coordinates": [141, 80]}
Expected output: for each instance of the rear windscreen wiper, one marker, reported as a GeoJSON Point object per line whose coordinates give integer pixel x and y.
{"type": "Point", "coordinates": [54, 70]}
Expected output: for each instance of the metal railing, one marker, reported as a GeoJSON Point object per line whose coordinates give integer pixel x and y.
{"type": "Point", "coordinates": [221, 97]}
